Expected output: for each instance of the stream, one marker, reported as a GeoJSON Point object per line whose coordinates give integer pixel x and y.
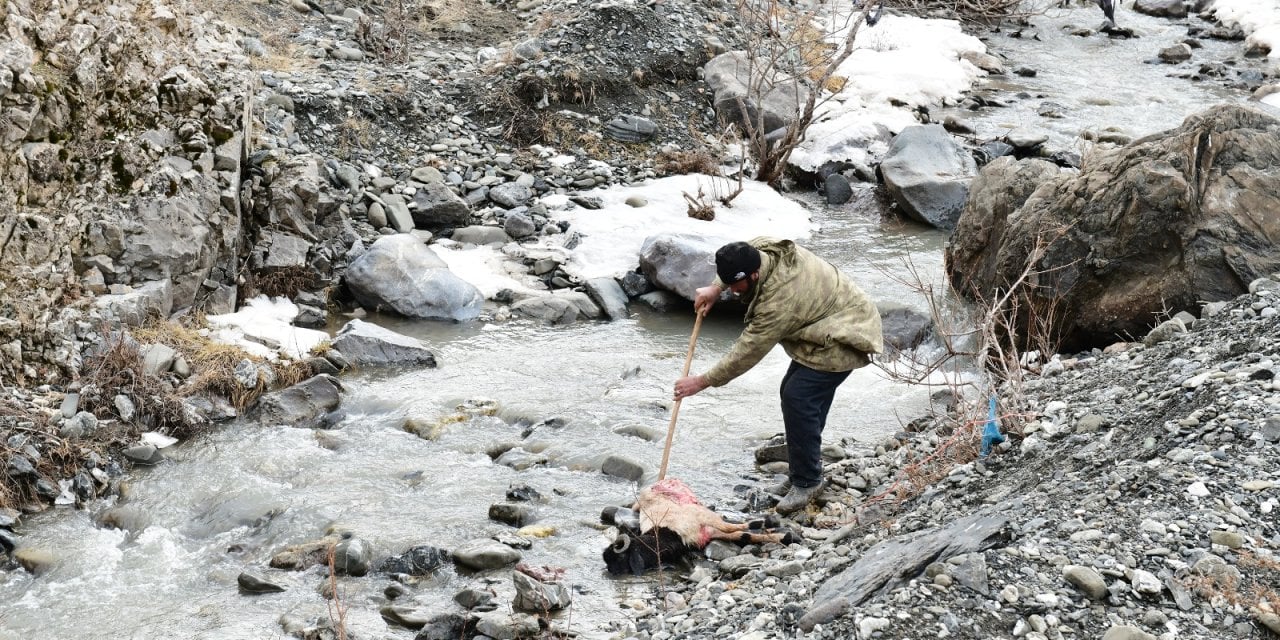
{"type": "Point", "coordinates": [228, 501]}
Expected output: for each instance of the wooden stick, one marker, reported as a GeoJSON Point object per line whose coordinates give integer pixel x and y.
{"type": "Point", "coordinates": [675, 410]}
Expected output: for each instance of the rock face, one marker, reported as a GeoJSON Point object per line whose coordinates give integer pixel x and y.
{"type": "Point", "coordinates": [1158, 226]}
{"type": "Point", "coordinates": [401, 274]}
{"type": "Point", "coordinates": [928, 175]}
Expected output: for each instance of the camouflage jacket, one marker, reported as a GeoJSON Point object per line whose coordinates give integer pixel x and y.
{"type": "Point", "coordinates": [823, 320]}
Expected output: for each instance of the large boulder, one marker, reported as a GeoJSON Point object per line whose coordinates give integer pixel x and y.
{"type": "Point", "coordinates": [401, 274]}
{"type": "Point", "coordinates": [773, 102]}
{"type": "Point", "coordinates": [302, 405]}
{"type": "Point", "coordinates": [680, 262]}
{"type": "Point", "coordinates": [1001, 187]}
{"type": "Point", "coordinates": [1159, 226]}
{"type": "Point", "coordinates": [1162, 8]}
{"type": "Point", "coordinates": [365, 345]}
{"type": "Point", "coordinates": [927, 174]}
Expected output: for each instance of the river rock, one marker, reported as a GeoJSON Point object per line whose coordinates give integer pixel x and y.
{"type": "Point", "coordinates": [408, 615]}
{"type": "Point", "coordinates": [1126, 632]}
{"type": "Point", "coordinates": [437, 207]}
{"type": "Point", "coordinates": [33, 560]}
{"type": "Point", "coordinates": [516, 515]}
{"type": "Point", "coordinates": [928, 175]}
{"type": "Point", "coordinates": [144, 454]}
{"type": "Point", "coordinates": [251, 584]}
{"type": "Point", "coordinates": [1167, 209]}
{"type": "Point", "coordinates": [1087, 580]}
{"type": "Point", "coordinates": [351, 557]}
{"type": "Point", "coordinates": [836, 189]}
{"type": "Point", "coordinates": [1174, 54]}
{"type": "Point", "coordinates": [421, 560]}
{"type": "Point", "coordinates": [1162, 8]}
{"type": "Point", "coordinates": [400, 274]}
{"type": "Point", "coordinates": [518, 225]}
{"type": "Point", "coordinates": [364, 344]}
{"type": "Point", "coordinates": [607, 293]}
{"type": "Point", "coordinates": [481, 235]}
{"type": "Point", "coordinates": [904, 328]}
{"type": "Point", "coordinates": [447, 626]}
{"type": "Point", "coordinates": [537, 596]}
{"type": "Point", "coordinates": [630, 128]}
{"type": "Point", "coordinates": [620, 467]}
{"type": "Point", "coordinates": [680, 263]}
{"type": "Point", "coordinates": [508, 626]}
{"type": "Point", "coordinates": [302, 405]}
{"type": "Point", "coordinates": [481, 555]}
{"type": "Point", "coordinates": [510, 195]}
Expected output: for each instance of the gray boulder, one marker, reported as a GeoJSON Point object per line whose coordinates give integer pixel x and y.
{"type": "Point", "coordinates": [519, 225]}
{"type": "Point", "coordinates": [904, 328]}
{"type": "Point", "coordinates": [510, 195]}
{"type": "Point", "coordinates": [481, 555]}
{"type": "Point", "coordinates": [401, 274]}
{"type": "Point", "coordinates": [559, 307]}
{"type": "Point", "coordinates": [351, 557]}
{"type": "Point", "coordinates": [365, 344]}
{"type": "Point", "coordinates": [928, 175]}
{"type": "Point", "coordinates": [508, 626]}
{"type": "Point", "coordinates": [680, 263]}
{"type": "Point", "coordinates": [1138, 233]}
{"type": "Point", "coordinates": [537, 596]}
{"type": "Point", "coordinates": [302, 405]}
{"type": "Point", "coordinates": [436, 206]}
{"type": "Point", "coordinates": [1162, 8]}
{"type": "Point", "coordinates": [775, 104]}
{"type": "Point", "coordinates": [607, 293]}
{"type": "Point", "coordinates": [480, 235]}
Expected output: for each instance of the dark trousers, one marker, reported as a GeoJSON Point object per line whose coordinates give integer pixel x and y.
{"type": "Point", "coordinates": [806, 399]}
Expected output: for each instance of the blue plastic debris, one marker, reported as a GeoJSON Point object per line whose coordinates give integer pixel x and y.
{"type": "Point", "coordinates": [991, 435]}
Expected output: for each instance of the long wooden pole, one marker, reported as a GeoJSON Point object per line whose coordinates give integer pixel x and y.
{"type": "Point", "coordinates": [675, 411]}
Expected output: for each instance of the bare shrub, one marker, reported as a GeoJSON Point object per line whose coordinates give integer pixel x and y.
{"type": "Point", "coordinates": [986, 338]}
{"type": "Point", "coordinates": [388, 39]}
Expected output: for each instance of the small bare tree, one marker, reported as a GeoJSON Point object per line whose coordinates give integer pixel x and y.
{"type": "Point", "coordinates": [790, 51]}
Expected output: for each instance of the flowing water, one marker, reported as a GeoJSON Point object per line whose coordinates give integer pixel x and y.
{"type": "Point", "coordinates": [228, 501]}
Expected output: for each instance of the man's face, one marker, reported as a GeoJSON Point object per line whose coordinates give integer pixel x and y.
{"type": "Point", "coordinates": [742, 287]}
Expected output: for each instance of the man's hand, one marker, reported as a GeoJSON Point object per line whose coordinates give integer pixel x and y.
{"type": "Point", "coordinates": [690, 385]}
{"type": "Point", "coordinates": [704, 298]}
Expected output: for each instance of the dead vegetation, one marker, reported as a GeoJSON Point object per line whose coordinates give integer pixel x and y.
{"type": "Point", "coordinates": [993, 336]}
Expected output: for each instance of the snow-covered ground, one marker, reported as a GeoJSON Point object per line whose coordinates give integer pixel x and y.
{"type": "Point", "coordinates": [1260, 20]}
{"type": "Point", "coordinates": [264, 327]}
{"type": "Point", "coordinates": [898, 64]}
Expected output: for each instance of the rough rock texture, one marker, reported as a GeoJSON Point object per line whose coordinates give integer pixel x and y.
{"type": "Point", "coordinates": [928, 175]}
{"type": "Point", "coordinates": [1155, 227]}
{"type": "Point", "coordinates": [401, 274]}
{"type": "Point", "coordinates": [679, 262]}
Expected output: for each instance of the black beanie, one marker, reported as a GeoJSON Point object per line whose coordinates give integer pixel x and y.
{"type": "Point", "coordinates": [735, 261]}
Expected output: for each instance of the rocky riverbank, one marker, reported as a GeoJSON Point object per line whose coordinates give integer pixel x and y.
{"type": "Point", "coordinates": [1139, 500]}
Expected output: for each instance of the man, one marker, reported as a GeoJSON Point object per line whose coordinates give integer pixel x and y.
{"type": "Point", "coordinates": [825, 323]}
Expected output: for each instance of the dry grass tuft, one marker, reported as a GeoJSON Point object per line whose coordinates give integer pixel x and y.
{"type": "Point", "coordinates": [281, 283]}
{"type": "Point", "coordinates": [685, 162]}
